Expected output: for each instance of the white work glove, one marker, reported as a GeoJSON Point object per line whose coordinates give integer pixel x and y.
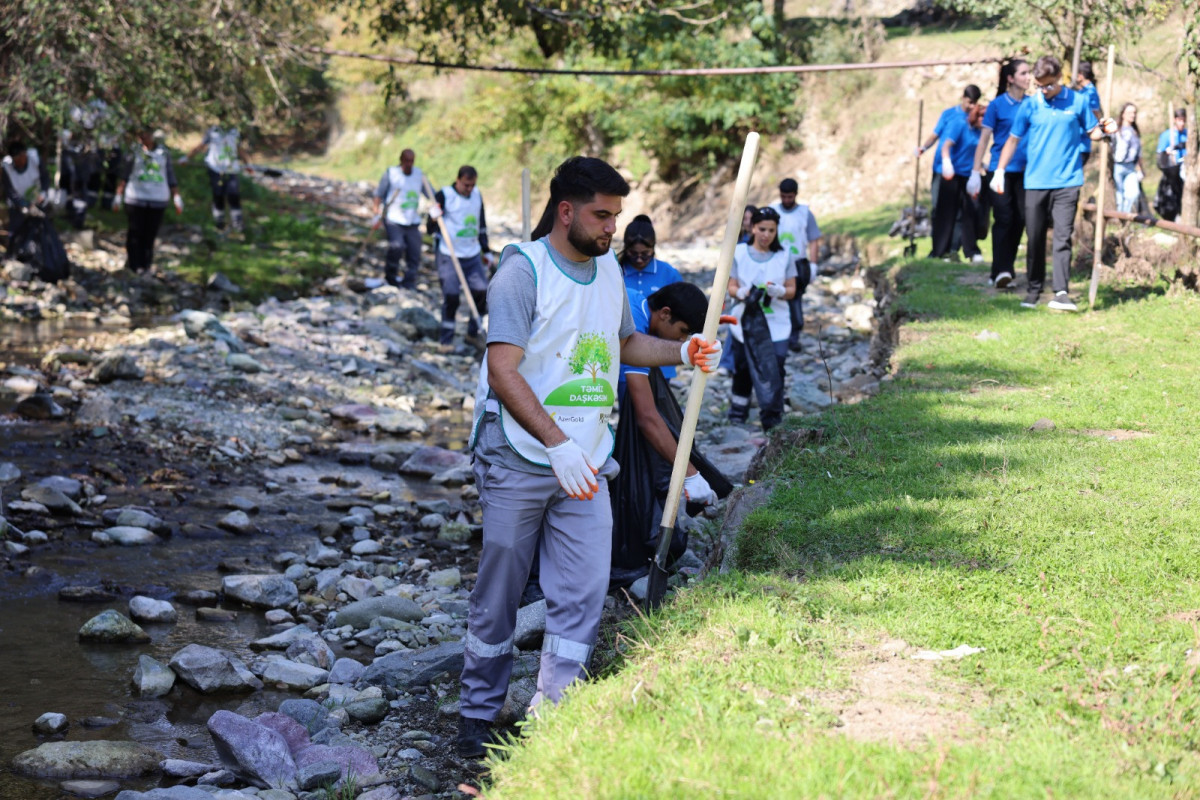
{"type": "Point", "coordinates": [918, 151]}
{"type": "Point", "coordinates": [997, 184]}
{"type": "Point", "coordinates": [699, 352]}
{"type": "Point", "coordinates": [117, 201]}
{"type": "Point", "coordinates": [489, 260]}
{"type": "Point", "coordinates": [181, 160]}
{"type": "Point", "coordinates": [975, 183]}
{"type": "Point", "coordinates": [775, 290]}
{"type": "Point", "coordinates": [948, 171]}
{"type": "Point", "coordinates": [179, 203]}
{"type": "Point", "coordinates": [575, 475]}
{"type": "Point", "coordinates": [435, 211]}
{"type": "Point", "coordinates": [1108, 125]}
{"type": "Point", "coordinates": [375, 220]}
{"type": "Point", "coordinates": [697, 490]}
{"type": "Point", "coordinates": [742, 291]}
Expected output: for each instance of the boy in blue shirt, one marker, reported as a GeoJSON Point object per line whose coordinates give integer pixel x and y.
{"type": "Point", "coordinates": [1052, 122]}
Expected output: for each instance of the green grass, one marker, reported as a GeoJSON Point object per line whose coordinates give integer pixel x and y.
{"type": "Point", "coordinates": [933, 514]}
{"type": "Point", "coordinates": [286, 249]}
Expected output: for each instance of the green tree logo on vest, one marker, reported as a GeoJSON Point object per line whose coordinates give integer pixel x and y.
{"type": "Point", "coordinates": [790, 240]}
{"type": "Point", "coordinates": [470, 228]}
{"type": "Point", "coordinates": [151, 172]}
{"type": "Point", "coordinates": [590, 355]}
{"type": "Point", "coordinates": [410, 200]}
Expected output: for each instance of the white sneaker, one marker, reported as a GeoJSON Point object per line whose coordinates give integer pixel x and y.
{"type": "Point", "coordinates": [1003, 280]}
{"type": "Point", "coordinates": [977, 258]}
{"type": "Point", "coordinates": [1062, 302]}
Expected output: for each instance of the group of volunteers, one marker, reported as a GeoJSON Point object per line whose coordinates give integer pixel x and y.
{"type": "Point", "coordinates": [1020, 159]}
{"type": "Point", "coordinates": [97, 164]}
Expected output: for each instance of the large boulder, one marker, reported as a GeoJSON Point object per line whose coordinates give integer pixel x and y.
{"type": "Point", "coordinates": [52, 499]}
{"type": "Point", "coordinates": [209, 670]}
{"type": "Point", "coordinates": [531, 626]}
{"type": "Point", "coordinates": [353, 760]}
{"type": "Point", "coordinates": [117, 367]}
{"type": "Point", "coordinates": [257, 753]}
{"type": "Point", "coordinates": [404, 669]}
{"type": "Point", "coordinates": [112, 627]}
{"type": "Point", "coordinates": [260, 591]}
{"type": "Point", "coordinates": [430, 461]}
{"type": "Point", "coordinates": [310, 714]}
{"type": "Point", "coordinates": [125, 536]}
{"type": "Point", "coordinates": [359, 614]}
{"type": "Point", "coordinates": [97, 759]}
{"type": "Point", "coordinates": [147, 609]}
{"type": "Point", "coordinates": [294, 675]}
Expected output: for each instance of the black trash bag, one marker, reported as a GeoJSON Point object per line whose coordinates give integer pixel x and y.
{"type": "Point", "coordinates": [640, 490]}
{"type": "Point", "coordinates": [36, 242]}
{"type": "Point", "coordinates": [760, 356]}
{"type": "Point", "coordinates": [1167, 201]}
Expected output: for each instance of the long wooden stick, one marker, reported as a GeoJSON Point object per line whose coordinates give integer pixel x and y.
{"type": "Point", "coordinates": [733, 228]}
{"type": "Point", "coordinates": [462, 278]}
{"type": "Point", "coordinates": [1098, 246]}
{"type": "Point", "coordinates": [525, 221]}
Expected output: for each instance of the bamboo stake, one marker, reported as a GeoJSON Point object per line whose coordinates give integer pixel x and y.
{"type": "Point", "coordinates": [1098, 246]}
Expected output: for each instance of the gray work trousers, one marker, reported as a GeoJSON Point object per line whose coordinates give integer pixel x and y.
{"type": "Point", "coordinates": [404, 241]}
{"type": "Point", "coordinates": [524, 512]}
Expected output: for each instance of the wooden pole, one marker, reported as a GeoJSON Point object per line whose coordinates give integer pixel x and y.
{"type": "Point", "coordinates": [462, 278]}
{"type": "Point", "coordinates": [525, 221]}
{"type": "Point", "coordinates": [912, 234]}
{"type": "Point", "coordinates": [657, 584]}
{"type": "Point", "coordinates": [1150, 222]}
{"type": "Point", "coordinates": [1098, 245]}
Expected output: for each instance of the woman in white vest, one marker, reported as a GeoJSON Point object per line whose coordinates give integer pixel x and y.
{"type": "Point", "coordinates": [460, 206]}
{"type": "Point", "coordinates": [146, 187]}
{"type": "Point", "coordinates": [763, 263]}
{"type": "Point", "coordinates": [224, 160]}
{"type": "Point", "coordinates": [398, 200]}
{"type": "Point", "coordinates": [24, 181]}
{"type": "Point", "coordinates": [560, 328]}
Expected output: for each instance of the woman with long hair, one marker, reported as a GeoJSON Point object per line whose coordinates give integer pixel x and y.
{"type": "Point", "coordinates": [767, 269]}
{"type": "Point", "coordinates": [644, 273]}
{"type": "Point", "coordinates": [1008, 209]}
{"type": "Point", "coordinates": [1127, 159]}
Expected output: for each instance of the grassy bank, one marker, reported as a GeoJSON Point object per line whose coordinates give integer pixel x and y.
{"type": "Point", "coordinates": [934, 515]}
{"type": "Point", "coordinates": [284, 251]}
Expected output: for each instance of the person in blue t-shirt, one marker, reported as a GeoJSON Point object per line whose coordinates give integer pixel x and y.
{"type": "Point", "coordinates": [1008, 209]}
{"type": "Point", "coordinates": [1085, 82]}
{"type": "Point", "coordinates": [1051, 123]}
{"type": "Point", "coordinates": [1172, 147]}
{"type": "Point", "coordinates": [958, 157]}
{"type": "Point", "coordinates": [644, 274]}
{"type": "Point", "coordinates": [970, 97]}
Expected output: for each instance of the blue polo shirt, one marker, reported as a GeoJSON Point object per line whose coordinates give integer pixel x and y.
{"type": "Point", "coordinates": [944, 121]}
{"type": "Point", "coordinates": [999, 117]}
{"type": "Point", "coordinates": [1168, 138]}
{"type": "Point", "coordinates": [1051, 131]}
{"type": "Point", "coordinates": [964, 140]}
{"type": "Point", "coordinates": [647, 281]}
{"type": "Point", "coordinates": [640, 310]}
{"type": "Point", "coordinates": [1093, 99]}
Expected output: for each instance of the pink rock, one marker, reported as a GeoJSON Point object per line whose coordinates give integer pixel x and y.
{"type": "Point", "coordinates": [352, 759]}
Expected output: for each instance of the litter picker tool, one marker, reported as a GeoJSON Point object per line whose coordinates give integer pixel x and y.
{"type": "Point", "coordinates": [910, 249]}
{"type": "Point", "coordinates": [657, 585]}
{"type": "Point", "coordinates": [462, 278]}
{"type": "Point", "coordinates": [1098, 245]}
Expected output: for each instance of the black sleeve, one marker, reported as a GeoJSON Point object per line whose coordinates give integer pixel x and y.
{"type": "Point", "coordinates": [172, 183]}
{"type": "Point", "coordinates": [483, 238]}
{"type": "Point", "coordinates": [126, 167]}
{"type": "Point", "coordinates": [43, 176]}
{"type": "Point", "coordinates": [431, 227]}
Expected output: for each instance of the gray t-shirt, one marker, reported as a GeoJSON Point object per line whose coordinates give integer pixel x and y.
{"type": "Point", "coordinates": [511, 302]}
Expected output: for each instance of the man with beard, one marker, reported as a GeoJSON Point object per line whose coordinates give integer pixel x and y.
{"type": "Point", "coordinates": [560, 326]}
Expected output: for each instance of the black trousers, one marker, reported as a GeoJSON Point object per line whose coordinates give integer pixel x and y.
{"type": "Point", "coordinates": [1043, 208]}
{"type": "Point", "coordinates": [770, 409]}
{"type": "Point", "coordinates": [1008, 220]}
{"type": "Point", "coordinates": [953, 203]}
{"type": "Point", "coordinates": [144, 223]}
{"type": "Point", "coordinates": [796, 304]}
{"type": "Point", "coordinates": [225, 188]}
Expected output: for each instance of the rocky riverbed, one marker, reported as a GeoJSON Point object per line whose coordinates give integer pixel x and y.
{"type": "Point", "coordinates": [238, 545]}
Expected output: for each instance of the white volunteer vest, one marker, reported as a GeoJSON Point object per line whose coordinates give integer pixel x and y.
{"type": "Point", "coordinates": [461, 215]}
{"type": "Point", "coordinates": [222, 153]}
{"type": "Point", "coordinates": [148, 181]}
{"type": "Point", "coordinates": [23, 182]}
{"type": "Point", "coordinates": [793, 229]}
{"type": "Point", "coordinates": [572, 361]}
{"type": "Point", "coordinates": [755, 273]}
{"type": "Point", "coordinates": [404, 196]}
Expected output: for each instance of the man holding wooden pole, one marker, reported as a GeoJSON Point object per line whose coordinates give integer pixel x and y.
{"type": "Point", "coordinates": [559, 329]}
{"type": "Point", "coordinates": [459, 215]}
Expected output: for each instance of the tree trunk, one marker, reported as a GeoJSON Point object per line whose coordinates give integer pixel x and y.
{"type": "Point", "coordinates": [1190, 214]}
